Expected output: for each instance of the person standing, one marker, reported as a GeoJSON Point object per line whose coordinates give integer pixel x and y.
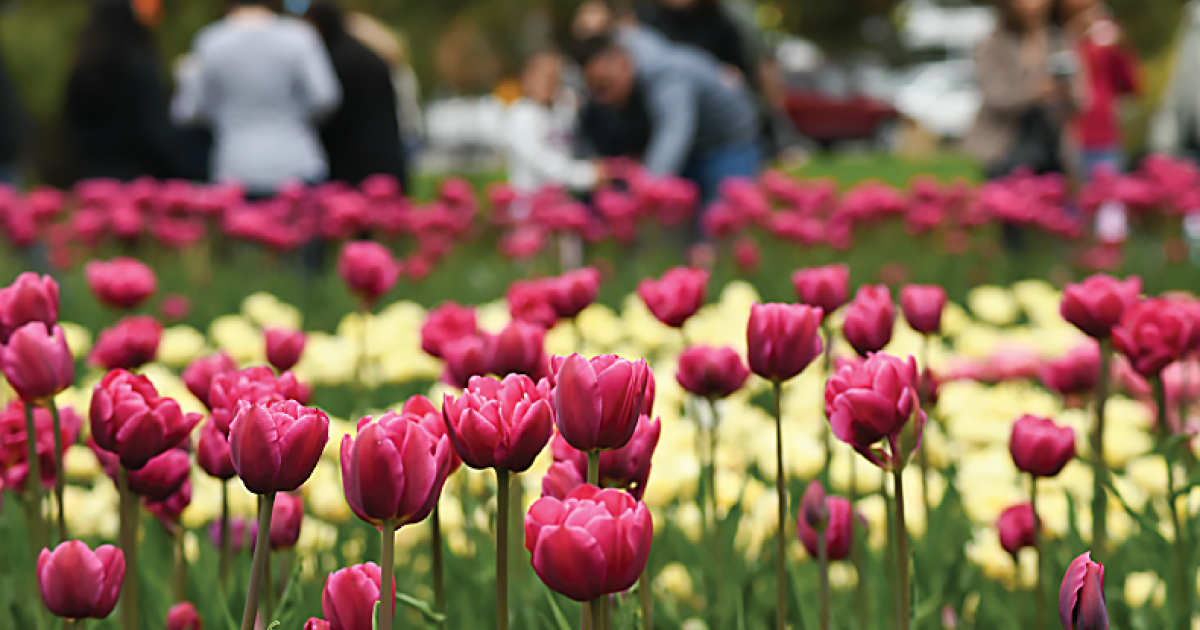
{"type": "Point", "coordinates": [116, 103]}
{"type": "Point", "coordinates": [361, 138]}
{"type": "Point", "coordinates": [262, 82]}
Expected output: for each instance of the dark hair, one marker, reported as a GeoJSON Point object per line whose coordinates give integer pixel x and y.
{"type": "Point", "coordinates": [1011, 22]}
{"type": "Point", "coordinates": [587, 50]}
{"type": "Point", "coordinates": [328, 20]}
{"type": "Point", "coordinates": [112, 30]}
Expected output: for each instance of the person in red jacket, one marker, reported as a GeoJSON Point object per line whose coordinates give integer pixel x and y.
{"type": "Point", "coordinates": [1109, 69]}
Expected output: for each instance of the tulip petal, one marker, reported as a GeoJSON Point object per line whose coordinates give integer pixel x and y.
{"type": "Point", "coordinates": [70, 579]}
{"type": "Point", "coordinates": [300, 449]}
{"type": "Point", "coordinates": [570, 562]}
{"type": "Point", "coordinates": [254, 448]}
{"type": "Point", "coordinates": [578, 402]}
{"type": "Point", "coordinates": [376, 478]}
{"type": "Point", "coordinates": [1068, 594]}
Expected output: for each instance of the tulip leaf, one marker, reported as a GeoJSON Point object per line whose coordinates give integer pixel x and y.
{"type": "Point", "coordinates": [375, 616]}
{"type": "Point", "coordinates": [276, 623]}
{"type": "Point", "coordinates": [560, 619]}
{"type": "Point", "coordinates": [421, 606]}
{"type": "Point", "coordinates": [290, 601]}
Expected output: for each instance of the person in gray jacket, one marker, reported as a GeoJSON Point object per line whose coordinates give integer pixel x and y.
{"type": "Point", "coordinates": [700, 126]}
{"type": "Point", "coordinates": [262, 81]}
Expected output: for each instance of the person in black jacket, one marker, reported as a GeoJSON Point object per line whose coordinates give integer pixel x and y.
{"type": "Point", "coordinates": [116, 103]}
{"type": "Point", "coordinates": [362, 138]}
{"type": "Point", "coordinates": [703, 24]}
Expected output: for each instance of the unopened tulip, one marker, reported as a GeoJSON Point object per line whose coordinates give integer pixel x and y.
{"type": "Point", "coordinates": [782, 339]}
{"type": "Point", "coordinates": [711, 372]}
{"type": "Point", "coordinates": [1074, 373]}
{"type": "Point", "coordinates": [598, 401]}
{"type": "Point", "coordinates": [350, 594]}
{"type": "Point", "coordinates": [213, 452]}
{"type": "Point", "coordinates": [1081, 600]}
{"type": "Point", "coordinates": [122, 283]}
{"type": "Point", "coordinates": [286, 518]}
{"type": "Point", "coordinates": [30, 298]}
{"type": "Point", "coordinates": [1018, 528]}
{"type": "Point", "coordinates": [518, 349]}
{"type": "Point", "coordinates": [747, 255]}
{"type": "Point", "coordinates": [593, 543]}
{"type": "Point", "coordinates": [130, 419]}
{"type": "Point", "coordinates": [561, 478]}
{"type": "Point", "coordinates": [676, 296]}
{"type": "Point", "coordinates": [627, 467]}
{"type": "Point", "coordinates": [369, 270]}
{"type": "Point", "coordinates": [255, 385]}
{"type": "Point", "coordinates": [499, 424]}
{"type": "Point", "coordinates": [445, 324]}
{"type": "Point", "coordinates": [873, 400]}
{"type": "Point", "coordinates": [529, 302]}
{"type": "Point", "coordinates": [169, 510]}
{"type": "Point", "coordinates": [160, 478]}
{"type": "Point", "coordinates": [826, 288]}
{"type": "Point", "coordinates": [78, 583]}
{"type": "Point", "coordinates": [199, 374]}
{"type": "Point", "coordinates": [276, 447]}
{"type": "Point", "coordinates": [175, 308]}
{"type": "Point", "coordinates": [1040, 447]}
{"type": "Point", "coordinates": [284, 347]}
{"type": "Point", "coordinates": [129, 344]}
{"type": "Point", "coordinates": [37, 362]}
{"type": "Point", "coordinates": [183, 616]}
{"type": "Point", "coordinates": [837, 522]}
{"type": "Point", "coordinates": [394, 470]}
{"type": "Point", "coordinates": [922, 307]}
{"type": "Point", "coordinates": [869, 319]}
{"type": "Point", "coordinates": [1153, 334]}
{"type": "Point", "coordinates": [466, 358]}
{"type": "Point", "coordinates": [1097, 304]}
{"type": "Point", "coordinates": [573, 291]}
{"type": "Point", "coordinates": [316, 624]}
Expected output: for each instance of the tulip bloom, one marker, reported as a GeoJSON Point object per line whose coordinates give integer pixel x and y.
{"type": "Point", "coordinates": [573, 291]}
{"type": "Point", "coordinates": [275, 447]}
{"type": "Point", "coordinates": [255, 385]}
{"type": "Point", "coordinates": [870, 319]}
{"type": "Point", "coordinates": [199, 374]}
{"type": "Point", "coordinates": [593, 543]}
{"type": "Point", "coordinates": [518, 349]}
{"type": "Point", "coordinates": [430, 419]}
{"type": "Point", "coordinates": [1018, 528]}
{"type": "Point", "coordinates": [873, 400]}
{"type": "Point", "coordinates": [835, 514]}
{"type": "Point", "coordinates": [122, 283]}
{"type": "Point", "coordinates": [169, 510]}
{"type": "Point", "coordinates": [782, 339]}
{"type": "Point", "coordinates": [499, 424]}
{"type": "Point", "coordinates": [445, 324]}
{"type": "Point", "coordinates": [78, 583]}
{"type": "Point", "coordinates": [1040, 447]}
{"type": "Point", "coordinates": [676, 296]}
{"type": "Point", "coordinates": [627, 467]}
{"type": "Point", "coordinates": [183, 616]}
{"type": "Point", "coordinates": [284, 347]}
{"type": "Point", "coordinates": [466, 358]}
{"type": "Point", "coordinates": [37, 362]}
{"type": "Point", "coordinates": [711, 372]}
{"type": "Point", "coordinates": [1076, 372]}
{"type": "Point", "coordinates": [1081, 601]}
{"type": "Point", "coordinates": [14, 448]}
{"type": "Point", "coordinates": [598, 401]}
{"type": "Point", "coordinates": [350, 594]}
{"type": "Point", "coordinates": [561, 478]}
{"type": "Point", "coordinates": [286, 517]}
{"type": "Point", "coordinates": [30, 298]}
{"type": "Point", "coordinates": [130, 344]}
{"type": "Point", "coordinates": [1153, 334]}
{"type": "Point", "coordinates": [160, 478]}
{"type": "Point", "coordinates": [1097, 304]}
{"type": "Point", "coordinates": [922, 307]}
{"type": "Point", "coordinates": [369, 270]}
{"type": "Point", "coordinates": [394, 470]}
{"type": "Point", "coordinates": [316, 624]}
{"type": "Point", "coordinates": [213, 452]}
{"type": "Point", "coordinates": [826, 288]}
{"type": "Point", "coordinates": [130, 419]}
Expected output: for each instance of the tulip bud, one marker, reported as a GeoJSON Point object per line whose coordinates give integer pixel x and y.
{"type": "Point", "coordinates": [183, 616]}
{"type": "Point", "coordinates": [1040, 447]}
{"type": "Point", "coordinates": [122, 283]}
{"type": "Point", "coordinates": [284, 348]}
{"type": "Point", "coordinates": [445, 324]}
{"type": "Point", "coordinates": [276, 447]}
{"type": "Point", "coordinates": [869, 319]}
{"type": "Point", "coordinates": [37, 362]}
{"type": "Point", "coordinates": [627, 467]}
{"type": "Point", "coordinates": [574, 291]}
{"type": "Point", "coordinates": [163, 476]}
{"type": "Point", "coordinates": [1153, 334]}
{"type": "Point", "coordinates": [813, 510]}
{"type": "Point", "coordinates": [833, 515]}
{"type": "Point", "coordinates": [518, 349]}
{"type": "Point", "coordinates": [1018, 528]}
{"type": "Point", "coordinates": [286, 518]}
{"type": "Point", "coordinates": [1097, 304]}
{"type": "Point", "coordinates": [466, 358]}
{"type": "Point", "coordinates": [602, 551]}
{"type": "Point", "coordinates": [677, 296]}
{"type": "Point", "coordinates": [175, 308]}
{"type": "Point", "coordinates": [922, 306]}
{"type": "Point", "coordinates": [499, 424]}
{"type": "Point", "coordinates": [130, 419]}
{"type": "Point", "coordinates": [369, 270]}
{"type": "Point", "coordinates": [394, 470]}
{"type": "Point", "coordinates": [30, 298]}
{"type": "Point", "coordinates": [1081, 601]}
{"type": "Point", "coordinates": [78, 583]}
{"type": "Point", "coordinates": [129, 344]}
{"type": "Point", "coordinates": [350, 594]}
{"type": "Point", "coordinates": [561, 478]}
{"type": "Point", "coordinates": [873, 400]}
{"type": "Point", "coordinates": [529, 302]}
{"type": "Point", "coordinates": [712, 373]}
{"type": "Point", "coordinates": [782, 339]}
{"type": "Point", "coordinates": [316, 624]}
{"type": "Point", "coordinates": [598, 401]}
{"type": "Point", "coordinates": [826, 288]}
{"type": "Point", "coordinates": [199, 374]}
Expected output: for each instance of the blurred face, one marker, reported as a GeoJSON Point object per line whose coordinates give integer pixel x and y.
{"type": "Point", "coordinates": [1032, 14]}
{"type": "Point", "coordinates": [591, 19]}
{"type": "Point", "coordinates": [610, 78]}
{"type": "Point", "coordinates": [542, 77]}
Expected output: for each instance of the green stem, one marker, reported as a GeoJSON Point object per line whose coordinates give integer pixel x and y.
{"type": "Point", "coordinates": [129, 514]}
{"type": "Point", "coordinates": [1039, 591]}
{"type": "Point", "coordinates": [60, 480]}
{"type": "Point", "coordinates": [903, 594]}
{"type": "Point", "coordinates": [226, 544]}
{"type": "Point", "coordinates": [387, 560]}
{"type": "Point", "coordinates": [439, 577]}
{"type": "Point", "coordinates": [644, 598]}
{"type": "Point", "coordinates": [823, 563]}
{"type": "Point", "coordinates": [1183, 591]}
{"type": "Point", "coordinates": [781, 529]}
{"type": "Point", "coordinates": [593, 471]}
{"type": "Point", "coordinates": [262, 548]}
{"type": "Point", "coordinates": [591, 610]}
{"type": "Point", "coordinates": [33, 484]}
{"type": "Point", "coordinates": [858, 557]}
{"type": "Point", "coordinates": [1099, 472]}
{"type": "Point", "coordinates": [502, 505]}
{"type": "Point", "coordinates": [180, 581]}
{"type": "Point", "coordinates": [922, 457]}
{"type": "Point", "coordinates": [268, 590]}
{"type": "Point", "coordinates": [715, 543]}
{"type": "Point", "coordinates": [827, 366]}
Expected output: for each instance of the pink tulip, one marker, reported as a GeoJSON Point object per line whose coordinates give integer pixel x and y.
{"type": "Point", "coordinates": [833, 514]}
{"type": "Point", "coordinates": [37, 362]}
{"type": "Point", "coordinates": [78, 583]}
{"type": "Point", "coordinates": [874, 400]}
{"type": "Point", "coordinates": [213, 452]}
{"type": "Point", "coordinates": [130, 419]}
{"type": "Point", "coordinates": [183, 616]}
{"type": "Point", "coordinates": [675, 297]}
{"type": "Point", "coordinates": [393, 471]}
{"type": "Point", "coordinates": [14, 450]}
{"type": "Point", "coordinates": [1097, 304]}
{"type": "Point", "coordinates": [1074, 373]}
{"type": "Point", "coordinates": [627, 467]}
{"type": "Point", "coordinates": [161, 477]}
{"type": "Point", "coordinates": [369, 270]}
{"type": "Point", "coordinates": [922, 306]}
{"type": "Point", "coordinates": [286, 517]}
{"type": "Point", "coordinates": [1081, 601]}
{"type": "Point", "coordinates": [869, 319]}
{"type": "Point", "coordinates": [275, 447]}
{"type": "Point", "coordinates": [598, 401]}
{"type": "Point", "coordinates": [561, 478]}
{"type": "Point", "coordinates": [782, 339]}
{"type": "Point", "coordinates": [350, 594]}
{"type": "Point", "coordinates": [499, 424]}
{"type": "Point", "coordinates": [130, 344]}
{"type": "Point", "coordinates": [1153, 334]}
{"type": "Point", "coordinates": [284, 347]}
{"type": "Point", "coordinates": [518, 349]}
{"type": "Point", "coordinates": [1018, 528]}
{"type": "Point", "coordinates": [1040, 447]}
{"type": "Point", "coordinates": [199, 374]}
{"type": "Point", "coordinates": [175, 308]}
{"type": "Point", "coordinates": [255, 385]}
{"type": "Point", "coordinates": [30, 298]}
{"type": "Point", "coordinates": [168, 511]}
{"type": "Point", "coordinates": [710, 372]}
{"type": "Point", "coordinates": [430, 419]}
{"type": "Point", "coordinates": [466, 358]}
{"type": "Point", "coordinates": [574, 291]}
{"type": "Point", "coordinates": [446, 324]}
{"type": "Point", "coordinates": [826, 288]}
{"type": "Point", "coordinates": [122, 283]}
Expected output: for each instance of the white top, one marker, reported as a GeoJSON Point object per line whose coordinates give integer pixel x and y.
{"type": "Point", "coordinates": [538, 144]}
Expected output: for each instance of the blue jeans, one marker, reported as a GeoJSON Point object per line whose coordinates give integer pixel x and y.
{"type": "Point", "coordinates": [1092, 159]}
{"type": "Point", "coordinates": [712, 167]}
